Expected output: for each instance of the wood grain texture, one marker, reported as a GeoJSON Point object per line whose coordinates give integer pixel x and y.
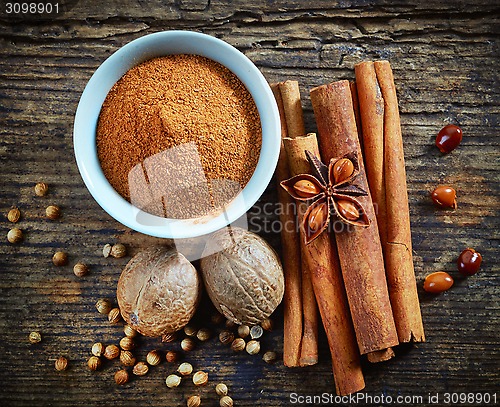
{"type": "Point", "coordinates": [445, 59]}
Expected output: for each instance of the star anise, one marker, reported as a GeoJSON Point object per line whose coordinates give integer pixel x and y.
{"type": "Point", "coordinates": [331, 190]}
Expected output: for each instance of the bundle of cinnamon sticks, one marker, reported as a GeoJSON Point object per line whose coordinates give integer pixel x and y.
{"type": "Point", "coordinates": [361, 279]}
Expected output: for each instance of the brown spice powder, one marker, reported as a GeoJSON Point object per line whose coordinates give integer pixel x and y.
{"type": "Point", "coordinates": [179, 136]}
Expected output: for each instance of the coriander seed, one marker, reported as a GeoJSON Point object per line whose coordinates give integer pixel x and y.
{"type": "Point", "coordinates": [185, 369]}
{"type": "Point", "coordinates": [114, 316]}
{"type": "Point", "coordinates": [14, 215]}
{"type": "Point", "coordinates": [269, 357]}
{"type": "Point", "coordinates": [15, 235]}
{"type": "Point", "coordinates": [80, 269]}
{"type": "Point", "coordinates": [256, 332]}
{"type": "Point", "coordinates": [171, 356]}
{"type": "Point", "coordinates": [190, 330]}
{"type": "Point", "coordinates": [243, 331]}
{"type": "Point", "coordinates": [35, 337]}
{"type": "Point", "coordinates": [127, 343]}
{"type": "Point", "coordinates": [173, 381]}
{"type": "Point", "coordinates": [111, 352]}
{"type": "Point", "coordinates": [118, 250]}
{"type": "Point", "coordinates": [129, 331]}
{"type": "Point", "coordinates": [267, 324]}
{"type": "Point", "coordinates": [94, 363]}
{"type": "Point", "coordinates": [238, 344]}
{"type": "Point", "coordinates": [61, 363]}
{"type": "Point", "coordinates": [41, 189]}
{"type": "Point", "coordinates": [127, 358]}
{"type": "Point", "coordinates": [106, 250]}
{"type": "Point", "coordinates": [187, 344]}
{"type": "Point", "coordinates": [60, 259]}
{"type": "Point", "coordinates": [97, 349]}
{"type": "Point", "coordinates": [153, 358]}
{"type": "Point", "coordinates": [169, 337]}
{"type": "Point", "coordinates": [253, 347]}
{"type": "Point", "coordinates": [226, 337]}
{"type": "Point", "coordinates": [103, 306]}
{"type": "Point", "coordinates": [140, 369]}
{"type": "Point", "coordinates": [203, 334]}
{"type": "Point", "coordinates": [221, 389]}
{"type": "Point", "coordinates": [53, 212]}
{"type": "Point", "coordinates": [121, 377]}
{"type": "Point", "coordinates": [200, 378]}
{"type": "Point", "coordinates": [226, 401]}
{"type": "Point", "coordinates": [194, 401]}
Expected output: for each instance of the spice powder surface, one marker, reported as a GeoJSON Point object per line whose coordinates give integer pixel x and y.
{"type": "Point", "coordinates": [179, 136]}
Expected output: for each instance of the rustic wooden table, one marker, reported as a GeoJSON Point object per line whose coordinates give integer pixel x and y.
{"type": "Point", "coordinates": [446, 64]}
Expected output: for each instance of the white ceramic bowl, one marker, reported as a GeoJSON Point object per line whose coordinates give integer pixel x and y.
{"type": "Point", "coordinates": [111, 70]}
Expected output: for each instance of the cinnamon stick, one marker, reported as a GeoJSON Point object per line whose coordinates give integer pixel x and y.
{"type": "Point", "coordinates": [294, 117]}
{"type": "Point", "coordinates": [322, 259]}
{"type": "Point", "coordinates": [290, 243]}
{"type": "Point", "coordinates": [359, 249]}
{"type": "Point", "coordinates": [398, 248]}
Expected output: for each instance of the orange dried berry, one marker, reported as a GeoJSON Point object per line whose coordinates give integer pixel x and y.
{"type": "Point", "coordinates": [305, 188]}
{"type": "Point", "coordinates": [438, 282]}
{"type": "Point", "coordinates": [342, 170]}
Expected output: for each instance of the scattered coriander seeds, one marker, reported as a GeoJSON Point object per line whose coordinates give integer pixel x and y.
{"type": "Point", "coordinates": [97, 349]}
{"type": "Point", "coordinates": [114, 316]}
{"type": "Point", "coordinates": [267, 324]}
{"type": "Point", "coordinates": [221, 389]}
{"type": "Point", "coordinates": [103, 306]}
{"type": "Point", "coordinates": [106, 250]}
{"type": "Point", "coordinates": [200, 378]}
{"type": "Point", "coordinates": [129, 331]}
{"type": "Point", "coordinates": [118, 250]}
{"type": "Point", "coordinates": [111, 352]}
{"type": "Point", "coordinates": [94, 363]}
{"type": "Point", "coordinates": [15, 235]}
{"type": "Point", "coordinates": [121, 377]}
{"type": "Point", "coordinates": [153, 358]}
{"type": "Point", "coordinates": [171, 356]}
{"type": "Point", "coordinates": [173, 381]}
{"type": "Point", "coordinates": [269, 357]}
{"type": "Point", "coordinates": [253, 347]}
{"type": "Point", "coordinates": [238, 344]}
{"type": "Point", "coordinates": [60, 259]}
{"type": "Point", "coordinates": [185, 369]}
{"type": "Point", "coordinates": [41, 189]}
{"type": "Point", "coordinates": [187, 344]}
{"type": "Point", "coordinates": [140, 369]}
{"type": "Point", "coordinates": [194, 401]}
{"type": "Point", "coordinates": [203, 334]}
{"type": "Point", "coordinates": [53, 212]}
{"type": "Point", "coordinates": [127, 358]}
{"type": "Point", "coordinates": [80, 269]}
{"type": "Point", "coordinates": [256, 332]}
{"type": "Point", "coordinates": [127, 343]}
{"type": "Point", "coordinates": [35, 337]}
{"type": "Point", "coordinates": [190, 330]}
{"type": "Point", "coordinates": [226, 401]}
{"type": "Point", "coordinates": [14, 215]}
{"type": "Point", "coordinates": [226, 337]}
{"type": "Point", "coordinates": [243, 331]}
{"type": "Point", "coordinates": [170, 337]}
{"type": "Point", "coordinates": [61, 363]}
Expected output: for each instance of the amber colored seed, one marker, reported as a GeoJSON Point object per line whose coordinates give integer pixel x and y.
{"type": "Point", "coordinates": [269, 357]}
{"type": "Point", "coordinates": [97, 349]}
{"type": "Point", "coordinates": [342, 170]}
{"type": "Point", "coordinates": [61, 363]}
{"type": "Point", "coordinates": [114, 316]}
{"type": "Point", "coordinates": [80, 269]}
{"type": "Point", "coordinates": [53, 212]}
{"type": "Point", "coordinates": [190, 330]}
{"type": "Point", "coordinates": [41, 189]}
{"type": "Point", "coordinates": [111, 352]}
{"type": "Point", "coordinates": [94, 363]}
{"type": "Point", "coordinates": [445, 197]}
{"type": "Point", "coordinates": [127, 343]}
{"type": "Point", "coordinates": [226, 401]}
{"type": "Point", "coordinates": [187, 344]}
{"type": "Point", "coordinates": [118, 250]}
{"type": "Point", "coordinates": [103, 306]}
{"type": "Point", "coordinates": [171, 356]}
{"type": "Point", "coordinates": [469, 262]}
{"type": "Point", "coordinates": [185, 369]}
{"type": "Point", "coordinates": [437, 282]}
{"type": "Point", "coordinates": [153, 358]}
{"type": "Point", "coordinates": [243, 331]}
{"type": "Point", "coordinates": [140, 369]}
{"type": "Point", "coordinates": [172, 381]}
{"type": "Point", "coordinates": [127, 358]}
{"type": "Point", "coordinates": [221, 389]}
{"type": "Point", "coordinates": [129, 331]}
{"type": "Point", "coordinates": [121, 377]}
{"type": "Point", "coordinates": [60, 259]}
{"type": "Point", "coordinates": [203, 334]}
{"type": "Point", "coordinates": [14, 215]}
{"type": "Point", "coordinates": [15, 235]}
{"type": "Point", "coordinates": [194, 401]}
{"type": "Point", "coordinates": [238, 344]}
{"type": "Point", "coordinates": [448, 138]}
{"type": "Point", "coordinates": [306, 188]}
{"type": "Point", "coordinates": [317, 217]}
{"type": "Point", "coordinates": [253, 347]}
{"type": "Point", "coordinates": [267, 324]}
{"type": "Point", "coordinates": [200, 378]}
{"type": "Point", "coordinates": [226, 337]}
{"type": "Point", "coordinates": [348, 210]}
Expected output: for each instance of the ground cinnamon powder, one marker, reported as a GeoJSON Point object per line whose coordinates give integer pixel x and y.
{"type": "Point", "coordinates": [179, 136]}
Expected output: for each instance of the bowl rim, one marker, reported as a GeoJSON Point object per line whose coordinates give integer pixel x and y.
{"type": "Point", "coordinates": [134, 53]}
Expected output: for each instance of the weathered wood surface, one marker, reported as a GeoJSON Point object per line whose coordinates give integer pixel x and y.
{"type": "Point", "coordinates": [446, 61]}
